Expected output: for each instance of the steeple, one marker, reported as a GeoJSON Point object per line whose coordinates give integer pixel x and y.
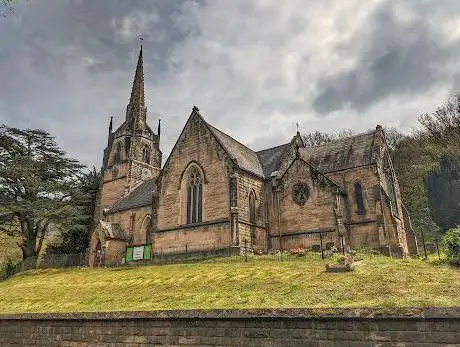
{"type": "Point", "coordinates": [136, 112]}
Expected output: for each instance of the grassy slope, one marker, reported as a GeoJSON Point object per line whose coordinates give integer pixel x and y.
{"type": "Point", "coordinates": [378, 282]}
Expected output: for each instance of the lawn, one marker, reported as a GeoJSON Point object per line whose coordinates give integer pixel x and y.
{"type": "Point", "coordinates": [377, 282]}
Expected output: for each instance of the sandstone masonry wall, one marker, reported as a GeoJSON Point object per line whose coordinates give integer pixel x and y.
{"type": "Point", "coordinates": [316, 213]}
{"type": "Point", "coordinates": [402, 327]}
{"type": "Point", "coordinates": [195, 145]}
{"type": "Point", "coordinates": [139, 229]}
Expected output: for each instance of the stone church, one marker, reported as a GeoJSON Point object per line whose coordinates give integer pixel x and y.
{"type": "Point", "coordinates": [215, 192]}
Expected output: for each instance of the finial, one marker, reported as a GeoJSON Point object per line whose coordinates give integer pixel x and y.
{"type": "Point", "coordinates": [297, 125]}
{"type": "Point", "coordinates": [141, 39]}
{"type": "Point", "coordinates": [110, 130]}
{"type": "Point", "coordinates": [378, 127]}
{"type": "Point", "coordinates": [159, 127]}
{"type": "Point", "coordinates": [196, 109]}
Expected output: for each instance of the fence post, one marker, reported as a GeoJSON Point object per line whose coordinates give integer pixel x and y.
{"type": "Point", "coordinates": [321, 244]}
{"type": "Point", "coordinates": [245, 251]}
{"type": "Point", "coordinates": [389, 250]}
{"type": "Point", "coordinates": [437, 247]}
{"type": "Point", "coordinates": [186, 248]}
{"type": "Point", "coordinates": [343, 246]}
{"type": "Point", "coordinates": [214, 253]}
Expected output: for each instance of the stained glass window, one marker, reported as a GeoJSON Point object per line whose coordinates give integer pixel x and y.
{"type": "Point", "coordinates": [194, 196]}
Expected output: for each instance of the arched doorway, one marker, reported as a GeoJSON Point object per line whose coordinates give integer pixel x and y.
{"type": "Point", "coordinates": [147, 229]}
{"type": "Point", "coordinates": [98, 254]}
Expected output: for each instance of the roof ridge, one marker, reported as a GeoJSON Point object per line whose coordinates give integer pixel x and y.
{"type": "Point", "coordinates": [268, 149]}
{"type": "Point", "coordinates": [342, 139]}
{"type": "Point", "coordinates": [212, 126]}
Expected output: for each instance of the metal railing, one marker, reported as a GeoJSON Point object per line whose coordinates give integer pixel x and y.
{"type": "Point", "coordinates": [308, 250]}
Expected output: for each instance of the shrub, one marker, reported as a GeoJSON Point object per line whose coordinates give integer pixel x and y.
{"type": "Point", "coordinates": [7, 269]}
{"type": "Point", "coordinates": [451, 243]}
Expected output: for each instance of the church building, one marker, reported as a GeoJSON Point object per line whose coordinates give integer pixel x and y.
{"type": "Point", "coordinates": [214, 192]}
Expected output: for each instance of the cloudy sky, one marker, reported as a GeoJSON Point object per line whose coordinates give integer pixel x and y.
{"type": "Point", "coordinates": [254, 68]}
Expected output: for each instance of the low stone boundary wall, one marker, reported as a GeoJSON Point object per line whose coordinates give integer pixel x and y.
{"type": "Point", "coordinates": [279, 327]}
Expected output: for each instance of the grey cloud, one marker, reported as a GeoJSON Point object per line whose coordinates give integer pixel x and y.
{"type": "Point", "coordinates": [67, 69]}
{"type": "Point", "coordinates": [250, 66]}
{"type": "Point", "coordinates": [396, 58]}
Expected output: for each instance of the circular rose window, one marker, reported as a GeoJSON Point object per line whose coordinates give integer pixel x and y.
{"type": "Point", "coordinates": [300, 193]}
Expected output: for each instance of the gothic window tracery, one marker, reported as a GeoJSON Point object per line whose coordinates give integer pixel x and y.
{"type": "Point", "coordinates": [194, 196]}
{"type": "Point", "coordinates": [359, 198]}
{"type": "Point", "coordinates": [146, 154]}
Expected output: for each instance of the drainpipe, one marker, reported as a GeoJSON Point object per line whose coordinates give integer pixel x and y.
{"type": "Point", "coordinates": [279, 218]}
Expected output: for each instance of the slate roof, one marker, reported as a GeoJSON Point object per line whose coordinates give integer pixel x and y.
{"type": "Point", "coordinates": [341, 154]}
{"type": "Point", "coordinates": [113, 230]}
{"type": "Point", "coordinates": [245, 157]}
{"type": "Point", "coordinates": [270, 159]}
{"type": "Point", "coordinates": [141, 196]}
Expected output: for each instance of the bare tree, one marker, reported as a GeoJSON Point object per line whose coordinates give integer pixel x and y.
{"type": "Point", "coordinates": [443, 125]}
{"type": "Point", "coordinates": [5, 7]}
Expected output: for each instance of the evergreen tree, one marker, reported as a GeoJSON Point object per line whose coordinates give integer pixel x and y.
{"type": "Point", "coordinates": [443, 188]}
{"type": "Point", "coordinates": [37, 186]}
{"type": "Point", "coordinates": [75, 233]}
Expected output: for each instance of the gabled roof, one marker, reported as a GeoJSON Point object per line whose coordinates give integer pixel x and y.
{"type": "Point", "coordinates": [112, 230]}
{"type": "Point", "coordinates": [140, 196]}
{"type": "Point", "coordinates": [245, 158]}
{"type": "Point", "coordinates": [341, 154]}
{"type": "Point", "coordinates": [270, 159]}
{"type": "Point", "coordinates": [318, 173]}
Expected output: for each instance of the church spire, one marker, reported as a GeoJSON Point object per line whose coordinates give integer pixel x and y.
{"type": "Point", "coordinates": [136, 111]}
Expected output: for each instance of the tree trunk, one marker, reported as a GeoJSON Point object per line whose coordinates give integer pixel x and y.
{"type": "Point", "coordinates": [27, 252]}
{"type": "Point", "coordinates": [29, 238]}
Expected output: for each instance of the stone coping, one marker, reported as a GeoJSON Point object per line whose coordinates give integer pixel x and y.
{"type": "Point", "coordinates": [418, 313]}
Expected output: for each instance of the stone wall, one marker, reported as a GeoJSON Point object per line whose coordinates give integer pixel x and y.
{"type": "Point", "coordinates": [112, 189]}
{"type": "Point", "coordinates": [208, 235]}
{"type": "Point", "coordinates": [137, 230]}
{"type": "Point", "coordinates": [196, 146]}
{"type": "Point", "coordinates": [367, 177]}
{"type": "Point", "coordinates": [402, 327]}
{"type": "Point", "coordinates": [316, 213]}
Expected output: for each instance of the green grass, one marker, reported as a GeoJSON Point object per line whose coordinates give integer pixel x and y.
{"type": "Point", "coordinates": [378, 282]}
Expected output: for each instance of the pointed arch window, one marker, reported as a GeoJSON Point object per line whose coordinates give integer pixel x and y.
{"type": "Point", "coordinates": [194, 196]}
{"type": "Point", "coordinates": [117, 158]}
{"type": "Point", "coordinates": [252, 208]}
{"type": "Point", "coordinates": [146, 154]}
{"type": "Point", "coordinates": [359, 198]}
